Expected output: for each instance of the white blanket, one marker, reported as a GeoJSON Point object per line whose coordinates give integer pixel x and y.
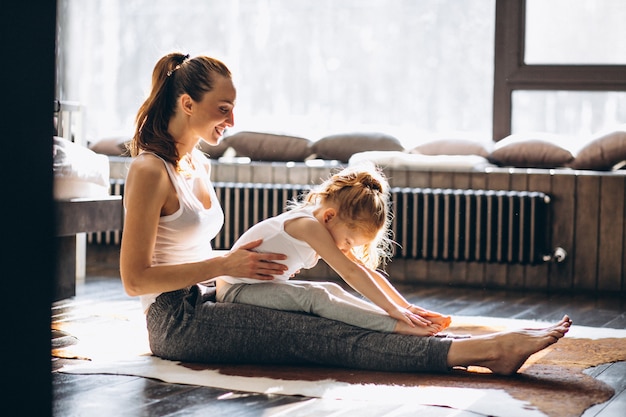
{"type": "Point", "coordinates": [78, 171]}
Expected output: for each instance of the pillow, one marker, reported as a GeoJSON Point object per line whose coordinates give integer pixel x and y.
{"type": "Point", "coordinates": [342, 146]}
{"type": "Point", "coordinates": [114, 146]}
{"type": "Point", "coordinates": [534, 151]}
{"type": "Point", "coordinates": [214, 151]}
{"type": "Point", "coordinates": [269, 147]}
{"type": "Point", "coordinates": [603, 153]}
{"type": "Point", "coordinates": [451, 147]}
{"type": "Point", "coordinates": [407, 160]}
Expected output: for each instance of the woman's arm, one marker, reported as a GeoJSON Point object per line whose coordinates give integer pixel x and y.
{"type": "Point", "coordinates": [143, 210]}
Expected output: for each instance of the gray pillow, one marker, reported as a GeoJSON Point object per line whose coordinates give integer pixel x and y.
{"type": "Point", "coordinates": [342, 146]}
{"type": "Point", "coordinates": [269, 147]}
{"type": "Point", "coordinates": [603, 153]}
{"type": "Point", "coordinates": [530, 151]}
{"type": "Point", "coordinates": [214, 151]}
{"type": "Point", "coordinates": [113, 146]}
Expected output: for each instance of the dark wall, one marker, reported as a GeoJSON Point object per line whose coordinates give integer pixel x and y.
{"type": "Point", "coordinates": [27, 31]}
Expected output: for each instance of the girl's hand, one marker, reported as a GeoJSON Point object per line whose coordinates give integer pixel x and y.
{"type": "Point", "coordinates": [246, 263]}
{"type": "Point", "coordinates": [437, 319]}
{"type": "Point", "coordinates": [410, 318]}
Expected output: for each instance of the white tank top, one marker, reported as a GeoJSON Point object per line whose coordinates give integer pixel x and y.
{"type": "Point", "coordinates": [275, 240]}
{"type": "Point", "coordinates": [185, 236]}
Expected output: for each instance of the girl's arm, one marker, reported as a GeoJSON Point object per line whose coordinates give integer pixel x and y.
{"type": "Point", "coordinates": [384, 284]}
{"type": "Point", "coordinates": [394, 294]}
{"type": "Point", "coordinates": [318, 237]}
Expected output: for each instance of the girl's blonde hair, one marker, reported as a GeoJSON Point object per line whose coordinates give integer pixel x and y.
{"type": "Point", "coordinates": [361, 194]}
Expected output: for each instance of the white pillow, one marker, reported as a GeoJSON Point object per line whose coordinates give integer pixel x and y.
{"type": "Point", "coordinates": [396, 159]}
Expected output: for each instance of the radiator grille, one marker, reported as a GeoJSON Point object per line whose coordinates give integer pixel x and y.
{"type": "Point", "coordinates": [428, 223]}
{"type": "Point", "coordinates": [471, 225]}
{"type": "Point", "coordinates": [245, 204]}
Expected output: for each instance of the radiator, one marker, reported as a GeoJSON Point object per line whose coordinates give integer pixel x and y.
{"type": "Point", "coordinates": [428, 223]}
{"type": "Point", "coordinates": [471, 225]}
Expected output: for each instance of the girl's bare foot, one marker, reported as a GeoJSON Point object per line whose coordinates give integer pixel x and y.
{"type": "Point", "coordinates": [437, 325]}
{"type": "Point", "coordinates": [442, 322]}
{"type": "Point", "coordinates": [404, 328]}
{"type": "Point", "coordinates": [505, 352]}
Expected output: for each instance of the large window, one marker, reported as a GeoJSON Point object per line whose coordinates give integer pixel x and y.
{"type": "Point", "coordinates": [576, 114]}
{"type": "Point", "coordinates": [575, 32]}
{"type": "Point", "coordinates": [415, 69]}
{"type": "Point", "coordinates": [409, 68]}
{"type": "Point", "coordinates": [560, 67]}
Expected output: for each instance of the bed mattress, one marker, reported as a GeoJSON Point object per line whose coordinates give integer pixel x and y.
{"type": "Point", "coordinates": [78, 171]}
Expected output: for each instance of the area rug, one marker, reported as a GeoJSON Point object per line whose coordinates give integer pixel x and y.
{"type": "Point", "coordinates": [552, 382]}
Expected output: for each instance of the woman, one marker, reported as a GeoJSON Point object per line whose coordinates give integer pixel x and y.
{"type": "Point", "coordinates": [172, 213]}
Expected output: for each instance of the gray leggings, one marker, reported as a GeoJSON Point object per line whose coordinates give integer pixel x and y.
{"type": "Point", "coordinates": [324, 299]}
{"type": "Point", "coordinates": [189, 325]}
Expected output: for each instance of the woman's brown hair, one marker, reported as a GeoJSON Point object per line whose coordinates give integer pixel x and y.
{"type": "Point", "coordinates": [173, 75]}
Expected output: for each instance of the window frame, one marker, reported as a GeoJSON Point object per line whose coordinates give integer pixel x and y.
{"type": "Point", "coordinates": [511, 73]}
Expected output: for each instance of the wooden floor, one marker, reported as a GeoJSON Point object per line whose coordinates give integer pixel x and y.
{"type": "Point", "coordinates": [106, 395]}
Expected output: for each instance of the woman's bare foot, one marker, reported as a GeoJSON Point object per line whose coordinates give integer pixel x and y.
{"type": "Point", "coordinates": [505, 352]}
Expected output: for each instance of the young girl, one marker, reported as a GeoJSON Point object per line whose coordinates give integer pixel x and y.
{"type": "Point", "coordinates": [345, 221]}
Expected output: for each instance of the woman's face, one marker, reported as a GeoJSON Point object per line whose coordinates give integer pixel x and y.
{"type": "Point", "coordinates": [214, 113]}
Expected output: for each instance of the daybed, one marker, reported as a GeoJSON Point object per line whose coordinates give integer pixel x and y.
{"type": "Point", "coordinates": [83, 204]}
{"type": "Point", "coordinates": [583, 237]}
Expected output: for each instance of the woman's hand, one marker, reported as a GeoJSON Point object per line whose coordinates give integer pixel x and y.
{"type": "Point", "coordinates": [246, 263]}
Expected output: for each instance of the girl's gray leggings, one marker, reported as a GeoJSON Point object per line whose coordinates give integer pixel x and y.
{"type": "Point", "coordinates": [324, 299]}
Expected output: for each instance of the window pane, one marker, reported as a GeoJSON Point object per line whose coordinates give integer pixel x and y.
{"type": "Point", "coordinates": [575, 32]}
{"type": "Point", "coordinates": [573, 113]}
{"type": "Point", "coordinates": [301, 67]}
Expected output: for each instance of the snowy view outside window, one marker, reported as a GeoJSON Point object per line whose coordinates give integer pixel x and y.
{"type": "Point", "coordinates": [417, 70]}
{"type": "Point", "coordinates": [591, 33]}
{"type": "Point", "coordinates": [302, 67]}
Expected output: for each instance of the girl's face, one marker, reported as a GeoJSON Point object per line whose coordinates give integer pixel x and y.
{"type": "Point", "coordinates": [214, 113]}
{"type": "Point", "coordinates": [346, 237]}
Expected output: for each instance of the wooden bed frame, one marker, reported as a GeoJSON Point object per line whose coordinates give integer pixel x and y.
{"type": "Point", "coordinates": [74, 216]}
